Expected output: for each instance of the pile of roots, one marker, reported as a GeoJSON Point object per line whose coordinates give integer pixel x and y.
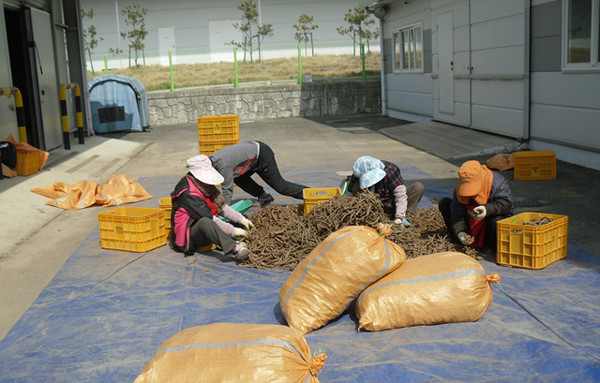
{"type": "Point", "coordinates": [283, 236]}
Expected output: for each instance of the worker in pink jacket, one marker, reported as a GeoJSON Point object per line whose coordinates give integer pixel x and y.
{"type": "Point", "coordinates": [197, 205]}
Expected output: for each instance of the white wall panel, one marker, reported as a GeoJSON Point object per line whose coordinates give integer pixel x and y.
{"type": "Point", "coordinates": [461, 38]}
{"type": "Point", "coordinates": [503, 94]}
{"type": "Point", "coordinates": [498, 61]}
{"type": "Point", "coordinates": [461, 115]}
{"type": "Point", "coordinates": [410, 83]}
{"type": "Point", "coordinates": [416, 103]}
{"type": "Point", "coordinates": [482, 10]}
{"type": "Point", "coordinates": [504, 32]}
{"type": "Point", "coordinates": [502, 121]}
{"type": "Point", "coordinates": [578, 90]}
{"type": "Point", "coordinates": [575, 126]}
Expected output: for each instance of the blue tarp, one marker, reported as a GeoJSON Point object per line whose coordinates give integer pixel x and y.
{"type": "Point", "coordinates": [105, 313]}
{"type": "Point", "coordinates": [118, 103]}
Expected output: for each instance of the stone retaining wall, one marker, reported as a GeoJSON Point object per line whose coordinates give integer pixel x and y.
{"type": "Point", "coordinates": [265, 102]}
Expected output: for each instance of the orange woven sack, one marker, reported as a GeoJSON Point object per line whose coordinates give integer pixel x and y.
{"type": "Point", "coordinates": [232, 352]}
{"type": "Point", "coordinates": [324, 284]}
{"type": "Point", "coordinates": [431, 289]}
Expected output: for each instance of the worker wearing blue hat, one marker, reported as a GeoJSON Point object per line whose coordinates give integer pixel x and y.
{"type": "Point", "coordinates": [385, 179]}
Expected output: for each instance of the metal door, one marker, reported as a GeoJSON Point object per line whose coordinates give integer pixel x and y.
{"type": "Point", "coordinates": [42, 49]}
{"type": "Point", "coordinates": [452, 99]}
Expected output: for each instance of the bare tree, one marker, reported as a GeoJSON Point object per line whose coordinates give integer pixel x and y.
{"type": "Point", "coordinates": [134, 16]}
{"type": "Point", "coordinates": [357, 29]}
{"type": "Point", "coordinates": [304, 29]}
{"type": "Point", "coordinates": [89, 35]}
{"type": "Point", "coordinates": [248, 25]}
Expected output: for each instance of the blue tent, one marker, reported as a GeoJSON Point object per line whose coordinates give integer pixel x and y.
{"type": "Point", "coordinates": [118, 103]}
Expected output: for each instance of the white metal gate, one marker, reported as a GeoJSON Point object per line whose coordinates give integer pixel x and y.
{"type": "Point", "coordinates": [481, 78]}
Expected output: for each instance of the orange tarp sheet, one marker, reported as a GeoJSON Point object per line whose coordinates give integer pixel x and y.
{"type": "Point", "coordinates": [117, 190]}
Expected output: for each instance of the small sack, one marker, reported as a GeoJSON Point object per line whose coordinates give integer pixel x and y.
{"type": "Point", "coordinates": [324, 284]}
{"type": "Point", "coordinates": [501, 161]}
{"type": "Point", "coordinates": [431, 289]}
{"type": "Point", "coordinates": [231, 352]}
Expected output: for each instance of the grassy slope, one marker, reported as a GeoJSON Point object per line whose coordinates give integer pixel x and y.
{"type": "Point", "coordinates": [156, 77]}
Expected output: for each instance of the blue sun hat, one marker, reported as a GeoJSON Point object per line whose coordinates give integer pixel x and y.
{"type": "Point", "coordinates": [369, 170]}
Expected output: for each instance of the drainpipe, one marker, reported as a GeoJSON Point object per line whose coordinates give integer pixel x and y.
{"type": "Point", "coordinates": [383, 86]}
{"type": "Point", "coordinates": [379, 11]}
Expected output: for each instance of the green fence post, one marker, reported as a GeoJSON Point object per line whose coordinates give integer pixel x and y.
{"type": "Point", "coordinates": [171, 70]}
{"type": "Point", "coordinates": [362, 55]}
{"type": "Point", "coordinates": [235, 68]}
{"type": "Point", "coordinates": [299, 64]}
{"type": "Point", "coordinates": [105, 64]}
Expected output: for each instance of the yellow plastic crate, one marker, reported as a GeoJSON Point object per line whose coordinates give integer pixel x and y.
{"type": "Point", "coordinates": [27, 163]}
{"type": "Point", "coordinates": [314, 196]}
{"type": "Point", "coordinates": [535, 165]}
{"type": "Point", "coordinates": [134, 229]}
{"type": "Point", "coordinates": [208, 148]}
{"type": "Point", "coordinates": [216, 132]}
{"type": "Point", "coordinates": [531, 247]}
{"type": "Point", "coordinates": [166, 205]}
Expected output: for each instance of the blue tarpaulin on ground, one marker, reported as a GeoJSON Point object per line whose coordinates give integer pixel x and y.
{"type": "Point", "coordinates": [106, 312]}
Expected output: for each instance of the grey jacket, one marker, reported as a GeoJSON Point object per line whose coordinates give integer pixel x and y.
{"type": "Point", "coordinates": [233, 161]}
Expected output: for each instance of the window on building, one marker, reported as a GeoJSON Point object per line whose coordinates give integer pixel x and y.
{"type": "Point", "coordinates": [581, 34]}
{"type": "Point", "coordinates": [408, 49]}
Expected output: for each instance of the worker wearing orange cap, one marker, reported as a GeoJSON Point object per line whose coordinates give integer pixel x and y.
{"type": "Point", "coordinates": [482, 198]}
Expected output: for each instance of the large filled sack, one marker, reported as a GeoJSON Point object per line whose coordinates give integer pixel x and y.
{"type": "Point", "coordinates": [231, 352]}
{"type": "Point", "coordinates": [324, 284]}
{"type": "Point", "coordinates": [431, 289]}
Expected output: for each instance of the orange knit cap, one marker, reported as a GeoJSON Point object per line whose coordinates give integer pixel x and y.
{"type": "Point", "coordinates": [475, 182]}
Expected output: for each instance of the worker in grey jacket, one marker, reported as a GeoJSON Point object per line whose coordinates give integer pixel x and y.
{"type": "Point", "coordinates": [237, 163]}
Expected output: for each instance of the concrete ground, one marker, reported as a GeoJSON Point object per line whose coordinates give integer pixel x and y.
{"type": "Point", "coordinates": [37, 239]}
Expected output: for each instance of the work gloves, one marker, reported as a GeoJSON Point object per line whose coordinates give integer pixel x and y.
{"type": "Point", "coordinates": [239, 232]}
{"type": "Point", "coordinates": [478, 213]}
{"type": "Point", "coordinates": [246, 223]}
{"type": "Point", "coordinates": [402, 221]}
{"type": "Point", "coordinates": [465, 238]}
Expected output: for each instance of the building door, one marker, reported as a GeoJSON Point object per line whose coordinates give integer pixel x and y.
{"type": "Point", "coordinates": [452, 90]}
{"type": "Point", "coordinates": [42, 48]}
{"type": "Point", "coordinates": [481, 79]}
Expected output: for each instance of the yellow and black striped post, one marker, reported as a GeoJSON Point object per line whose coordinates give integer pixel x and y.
{"type": "Point", "coordinates": [64, 114]}
{"type": "Point", "coordinates": [19, 109]}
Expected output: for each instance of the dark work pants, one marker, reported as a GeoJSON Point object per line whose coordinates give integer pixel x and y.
{"type": "Point", "coordinates": [206, 231]}
{"type": "Point", "coordinates": [266, 168]}
{"type": "Point", "coordinates": [490, 224]}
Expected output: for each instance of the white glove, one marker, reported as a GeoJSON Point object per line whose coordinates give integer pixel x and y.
{"type": "Point", "coordinates": [246, 223]}
{"type": "Point", "coordinates": [239, 232]}
{"type": "Point", "coordinates": [403, 221]}
{"type": "Point", "coordinates": [479, 213]}
{"type": "Point", "coordinates": [465, 238]}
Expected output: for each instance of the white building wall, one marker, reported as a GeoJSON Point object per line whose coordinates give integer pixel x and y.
{"type": "Point", "coordinates": [564, 106]}
{"type": "Point", "coordinates": [409, 94]}
{"type": "Point", "coordinates": [195, 24]}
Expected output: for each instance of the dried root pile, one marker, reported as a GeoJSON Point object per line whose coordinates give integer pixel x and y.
{"type": "Point", "coordinates": [283, 236]}
{"type": "Point", "coordinates": [541, 221]}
